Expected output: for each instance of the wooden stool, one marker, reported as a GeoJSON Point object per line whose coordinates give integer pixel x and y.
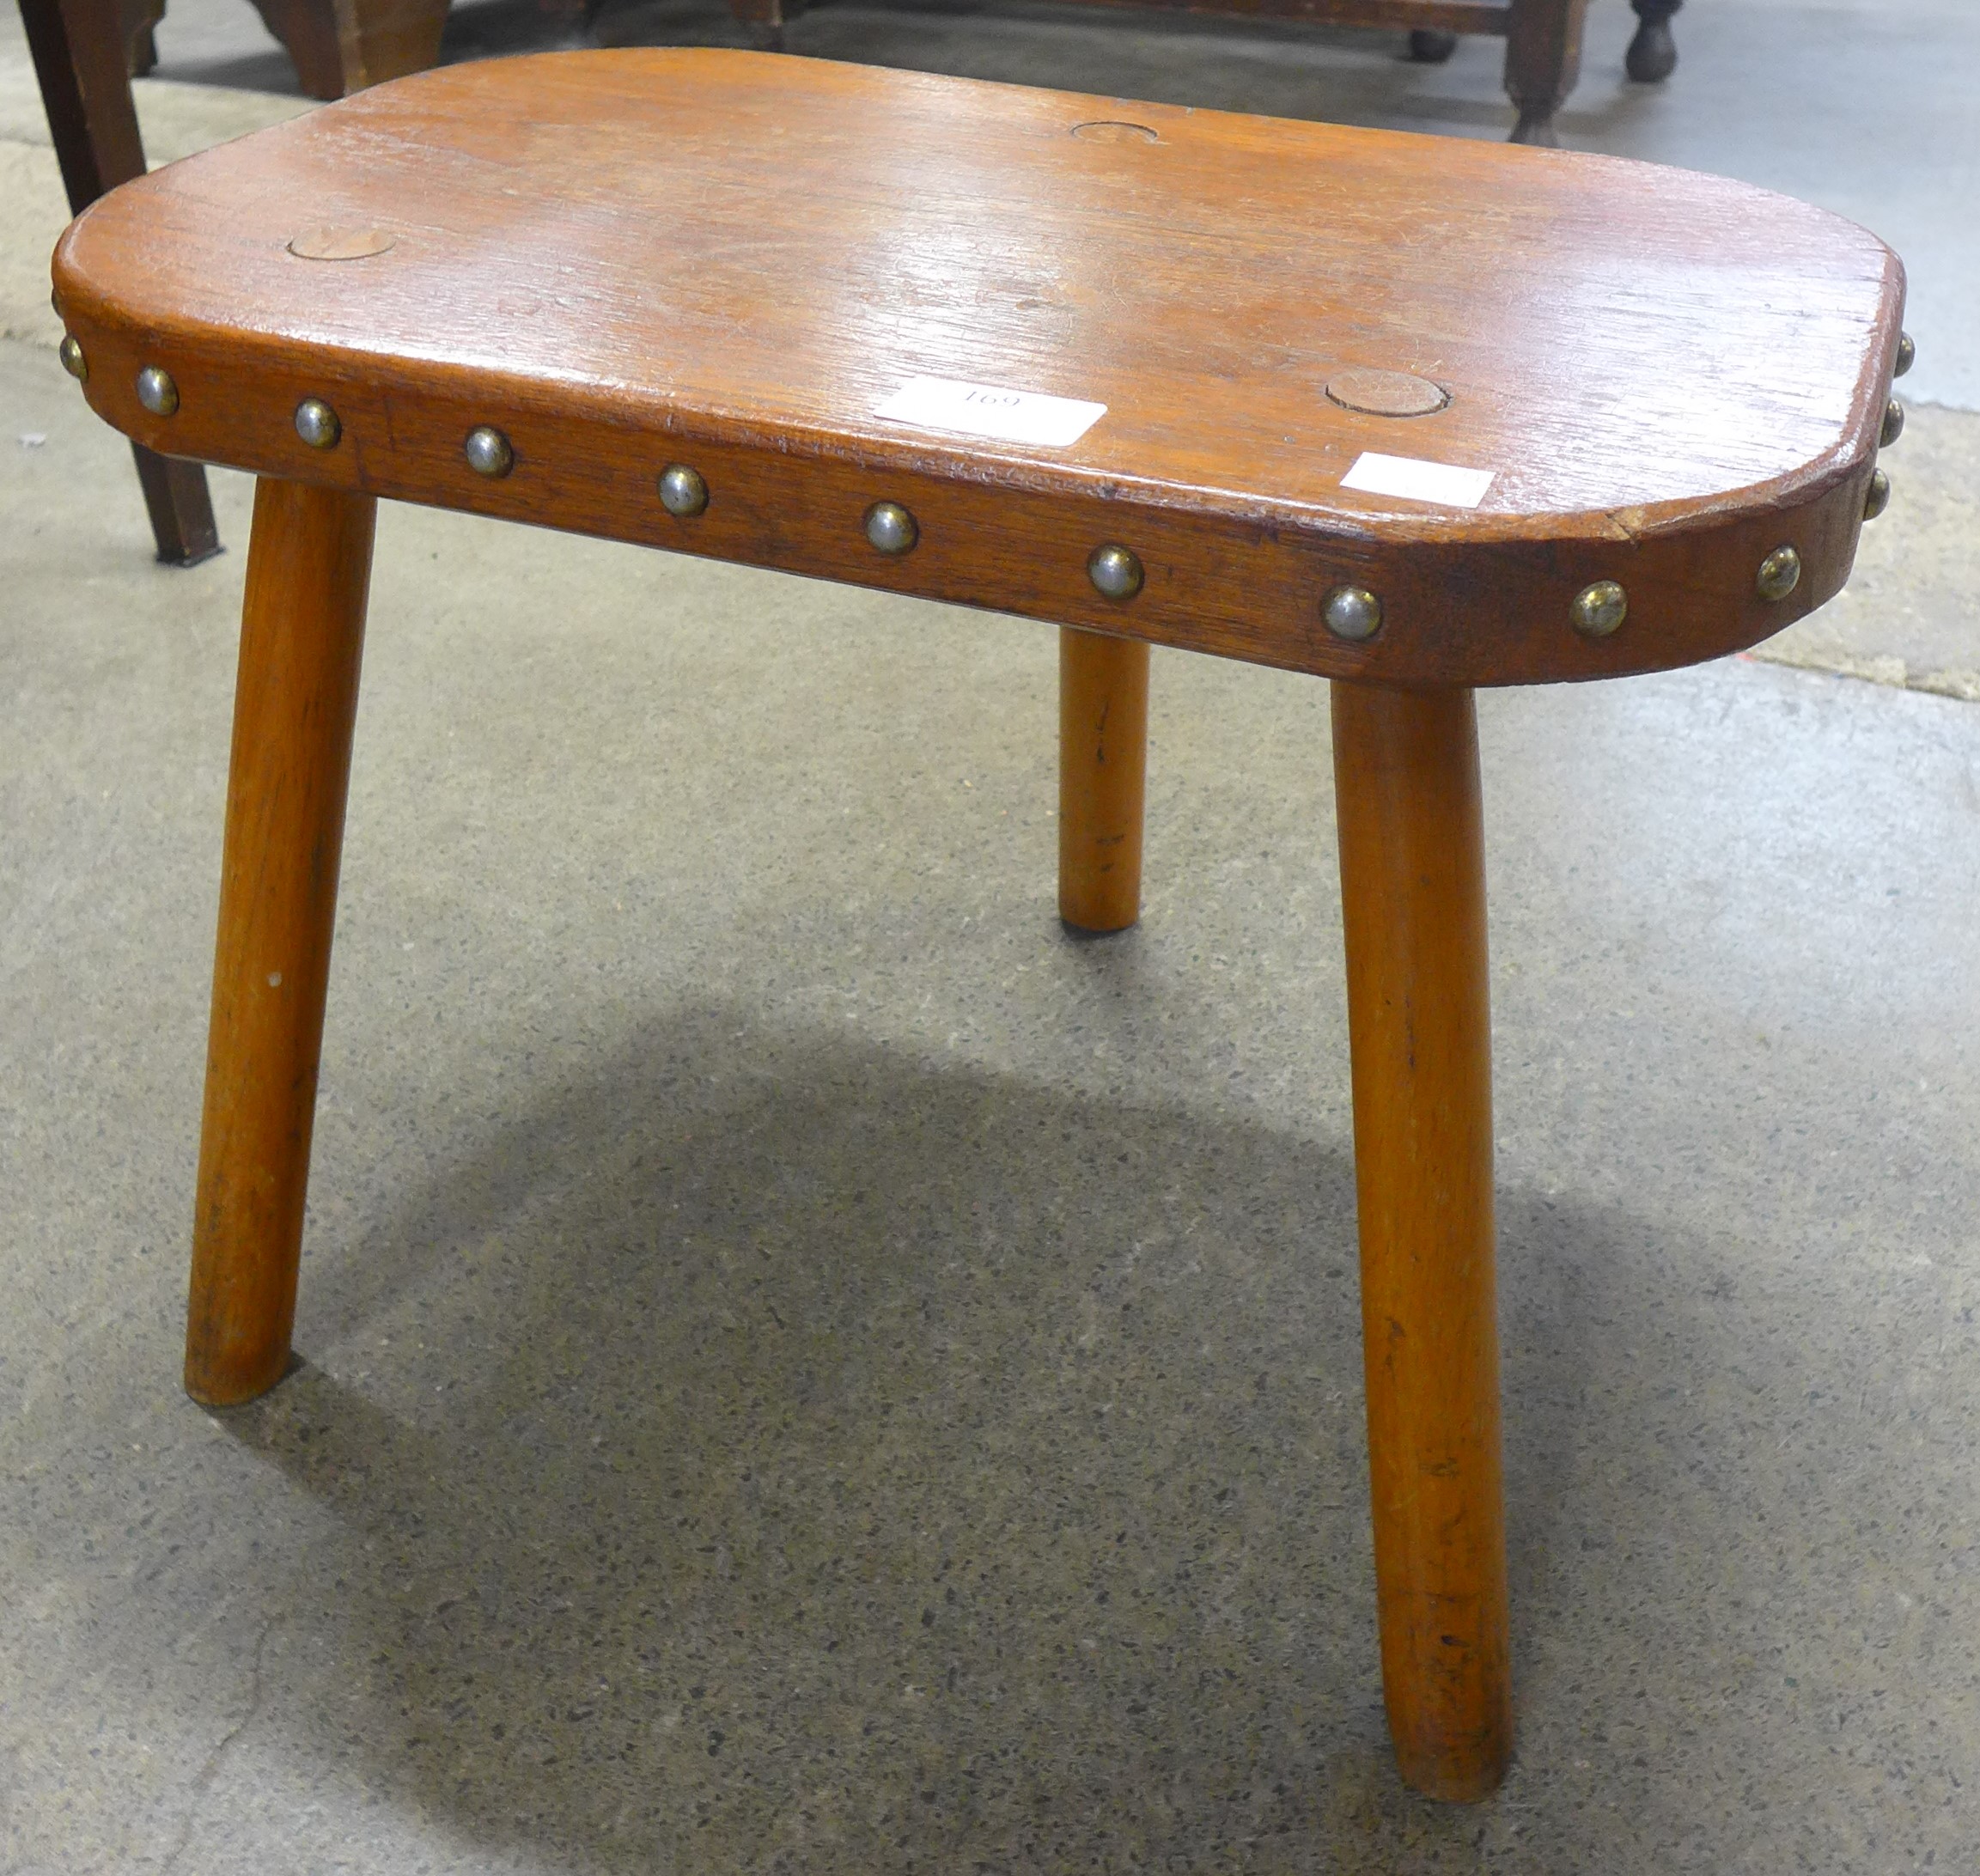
{"type": "Point", "coordinates": [1411, 414]}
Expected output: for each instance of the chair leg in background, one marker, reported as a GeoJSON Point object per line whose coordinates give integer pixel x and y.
{"type": "Point", "coordinates": [180, 508]}
{"type": "Point", "coordinates": [764, 21]}
{"type": "Point", "coordinates": [340, 46]}
{"type": "Point", "coordinates": [80, 50]}
{"type": "Point", "coordinates": [1543, 62]}
{"type": "Point", "coordinates": [295, 705]}
{"type": "Point", "coordinates": [1652, 54]}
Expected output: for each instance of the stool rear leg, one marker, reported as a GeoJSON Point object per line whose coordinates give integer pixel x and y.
{"type": "Point", "coordinates": [1103, 778]}
{"type": "Point", "coordinates": [295, 700]}
{"type": "Point", "coordinates": [1413, 901]}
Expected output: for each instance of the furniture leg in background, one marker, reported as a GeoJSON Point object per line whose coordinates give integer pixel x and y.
{"type": "Point", "coordinates": [1653, 55]}
{"type": "Point", "coordinates": [1543, 61]}
{"type": "Point", "coordinates": [764, 21]}
{"type": "Point", "coordinates": [294, 707]}
{"type": "Point", "coordinates": [345, 45]}
{"type": "Point", "coordinates": [82, 58]}
{"type": "Point", "coordinates": [1406, 803]}
{"type": "Point", "coordinates": [1543, 37]}
{"type": "Point", "coordinates": [140, 18]}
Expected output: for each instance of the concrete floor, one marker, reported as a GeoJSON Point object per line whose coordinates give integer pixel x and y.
{"type": "Point", "coordinates": [805, 1367]}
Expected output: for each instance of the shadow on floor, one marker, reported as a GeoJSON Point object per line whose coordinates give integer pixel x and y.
{"type": "Point", "coordinates": [813, 1458]}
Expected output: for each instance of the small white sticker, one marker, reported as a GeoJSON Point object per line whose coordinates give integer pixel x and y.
{"type": "Point", "coordinates": [1415, 481]}
{"type": "Point", "coordinates": [984, 410]}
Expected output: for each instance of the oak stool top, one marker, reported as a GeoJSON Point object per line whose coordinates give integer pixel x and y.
{"type": "Point", "coordinates": [1413, 410]}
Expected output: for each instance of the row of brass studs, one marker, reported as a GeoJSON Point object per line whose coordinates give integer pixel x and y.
{"type": "Point", "coordinates": [1596, 612]}
{"type": "Point", "coordinates": [1599, 609]}
{"type": "Point", "coordinates": [1877, 497]}
{"type": "Point", "coordinates": [1351, 612]}
{"type": "Point", "coordinates": [892, 529]}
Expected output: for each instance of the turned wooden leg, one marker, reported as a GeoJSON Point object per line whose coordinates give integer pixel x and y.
{"type": "Point", "coordinates": [1652, 54]}
{"type": "Point", "coordinates": [1413, 901]}
{"type": "Point", "coordinates": [1543, 61]}
{"type": "Point", "coordinates": [1103, 778]}
{"type": "Point", "coordinates": [294, 701]}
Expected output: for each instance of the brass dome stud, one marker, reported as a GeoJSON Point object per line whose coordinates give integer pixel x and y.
{"type": "Point", "coordinates": [488, 451]}
{"type": "Point", "coordinates": [1780, 574]}
{"type": "Point", "coordinates": [891, 529]}
{"type": "Point", "coordinates": [1599, 609]}
{"type": "Point", "coordinates": [1115, 572]}
{"type": "Point", "coordinates": [1352, 612]}
{"type": "Point", "coordinates": [157, 392]}
{"type": "Point", "coordinates": [682, 493]}
{"type": "Point", "coordinates": [317, 425]}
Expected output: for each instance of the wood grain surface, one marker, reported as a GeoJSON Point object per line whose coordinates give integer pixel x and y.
{"type": "Point", "coordinates": [623, 259]}
{"type": "Point", "coordinates": [294, 707]}
{"type": "Point", "coordinates": [1413, 913]}
{"type": "Point", "coordinates": [1103, 778]}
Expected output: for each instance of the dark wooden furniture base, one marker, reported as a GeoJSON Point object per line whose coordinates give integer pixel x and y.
{"type": "Point", "coordinates": [82, 51]}
{"type": "Point", "coordinates": [343, 45]}
{"type": "Point", "coordinates": [1543, 37]}
{"type": "Point", "coordinates": [1313, 415]}
{"type": "Point", "coordinates": [1652, 54]}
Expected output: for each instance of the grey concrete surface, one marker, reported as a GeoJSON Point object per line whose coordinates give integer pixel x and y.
{"type": "Point", "coordinates": [1910, 614]}
{"type": "Point", "coordinates": [805, 1367]}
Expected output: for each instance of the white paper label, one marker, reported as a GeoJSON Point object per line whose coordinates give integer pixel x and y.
{"type": "Point", "coordinates": [1415, 481]}
{"type": "Point", "coordinates": [983, 409]}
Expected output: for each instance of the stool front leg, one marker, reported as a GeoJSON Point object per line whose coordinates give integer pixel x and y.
{"type": "Point", "coordinates": [295, 701]}
{"type": "Point", "coordinates": [1103, 778]}
{"type": "Point", "coordinates": [1413, 900]}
